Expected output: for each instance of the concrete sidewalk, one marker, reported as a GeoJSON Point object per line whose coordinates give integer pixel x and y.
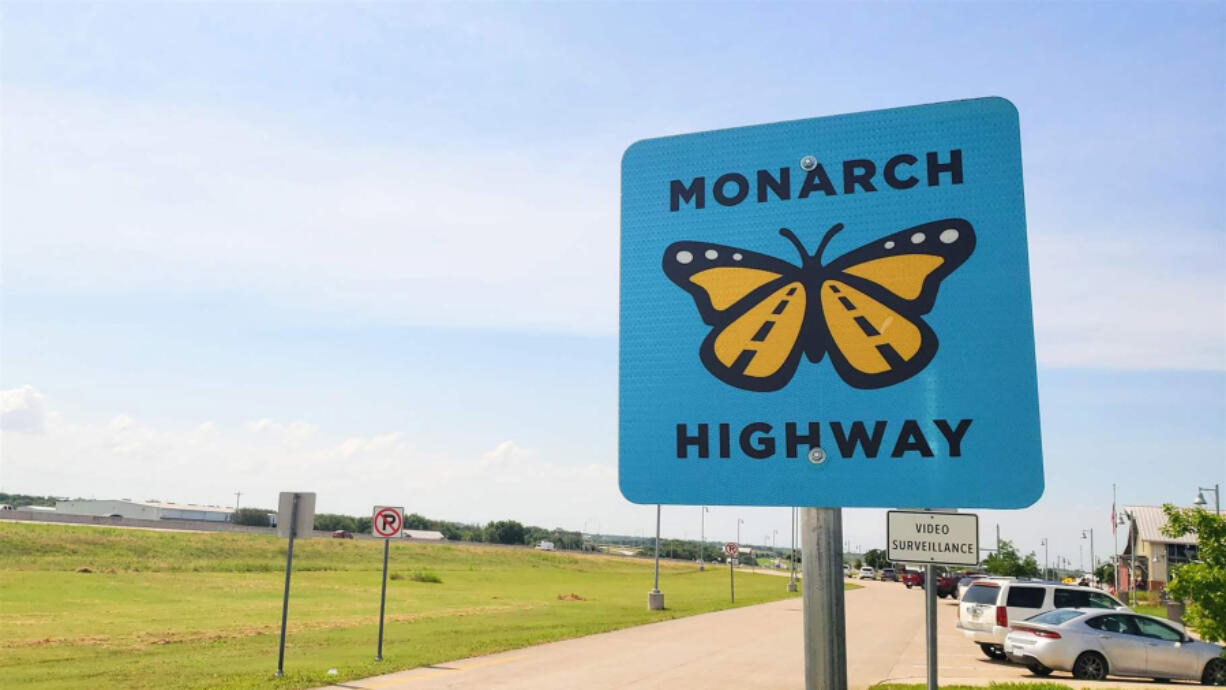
{"type": "Point", "coordinates": [750, 647]}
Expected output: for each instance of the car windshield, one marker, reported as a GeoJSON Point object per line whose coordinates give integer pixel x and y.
{"type": "Point", "coordinates": [1055, 617]}
{"type": "Point", "coordinates": [982, 594]}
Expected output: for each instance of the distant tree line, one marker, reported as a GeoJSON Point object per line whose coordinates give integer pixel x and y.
{"type": "Point", "coordinates": [22, 500]}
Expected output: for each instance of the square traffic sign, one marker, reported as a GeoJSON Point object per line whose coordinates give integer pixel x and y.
{"type": "Point", "coordinates": [830, 312]}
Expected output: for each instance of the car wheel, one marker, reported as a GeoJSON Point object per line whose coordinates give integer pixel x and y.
{"type": "Point", "coordinates": [908, 585]}
{"type": "Point", "coordinates": [991, 651]}
{"type": "Point", "coordinates": [1215, 672]}
{"type": "Point", "coordinates": [1090, 666]}
{"type": "Point", "coordinates": [1039, 669]}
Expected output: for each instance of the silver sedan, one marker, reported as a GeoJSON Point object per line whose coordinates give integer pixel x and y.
{"type": "Point", "coordinates": [1095, 643]}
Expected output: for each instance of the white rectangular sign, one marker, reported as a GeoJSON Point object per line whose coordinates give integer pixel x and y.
{"type": "Point", "coordinates": [306, 514]}
{"type": "Point", "coordinates": [937, 538]}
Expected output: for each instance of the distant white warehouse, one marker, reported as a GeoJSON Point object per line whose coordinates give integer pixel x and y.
{"type": "Point", "coordinates": [144, 510]}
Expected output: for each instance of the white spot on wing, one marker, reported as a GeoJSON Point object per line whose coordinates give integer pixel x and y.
{"type": "Point", "coordinates": [684, 257]}
{"type": "Point", "coordinates": [949, 236]}
{"type": "Point", "coordinates": [737, 257]}
{"type": "Point", "coordinates": [917, 238]}
{"type": "Point", "coordinates": [889, 245]}
{"type": "Point", "coordinates": [712, 254]}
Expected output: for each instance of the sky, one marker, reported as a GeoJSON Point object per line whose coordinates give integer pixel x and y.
{"type": "Point", "coordinates": [371, 250]}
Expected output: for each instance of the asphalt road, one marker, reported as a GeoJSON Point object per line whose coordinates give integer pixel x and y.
{"type": "Point", "coordinates": [750, 647]}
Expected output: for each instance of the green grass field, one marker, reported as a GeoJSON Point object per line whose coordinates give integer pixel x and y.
{"type": "Point", "coordinates": [202, 610]}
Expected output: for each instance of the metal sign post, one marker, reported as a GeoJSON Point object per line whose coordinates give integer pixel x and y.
{"type": "Point", "coordinates": [386, 523]}
{"type": "Point", "coordinates": [821, 557]}
{"type": "Point", "coordinates": [932, 538]}
{"type": "Point", "coordinates": [295, 518]}
{"type": "Point", "coordinates": [731, 549]}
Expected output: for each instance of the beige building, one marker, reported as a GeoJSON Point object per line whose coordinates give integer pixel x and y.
{"type": "Point", "coordinates": [1155, 552]}
{"type": "Point", "coordinates": [144, 510]}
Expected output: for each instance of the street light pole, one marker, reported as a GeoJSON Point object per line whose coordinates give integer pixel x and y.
{"type": "Point", "coordinates": [792, 565]}
{"type": "Point", "coordinates": [1092, 563]}
{"type": "Point", "coordinates": [1217, 498]}
{"type": "Point", "coordinates": [702, 538]}
{"type": "Point", "coordinates": [655, 598]}
{"type": "Point", "coordinates": [1046, 571]}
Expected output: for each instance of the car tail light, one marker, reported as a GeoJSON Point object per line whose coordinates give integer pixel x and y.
{"type": "Point", "coordinates": [1002, 616]}
{"type": "Point", "coordinates": [1049, 634]}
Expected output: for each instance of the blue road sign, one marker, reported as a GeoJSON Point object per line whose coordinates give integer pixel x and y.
{"type": "Point", "coordinates": [857, 283]}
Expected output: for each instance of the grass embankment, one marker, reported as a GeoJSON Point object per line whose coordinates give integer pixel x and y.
{"type": "Point", "coordinates": [202, 610]}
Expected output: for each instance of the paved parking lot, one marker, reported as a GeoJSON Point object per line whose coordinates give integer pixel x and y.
{"type": "Point", "coordinates": [752, 647]}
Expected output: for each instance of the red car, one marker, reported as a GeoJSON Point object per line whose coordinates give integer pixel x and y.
{"type": "Point", "coordinates": [342, 534]}
{"type": "Point", "coordinates": [912, 578]}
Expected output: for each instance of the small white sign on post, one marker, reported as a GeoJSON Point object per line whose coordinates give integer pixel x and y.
{"type": "Point", "coordinates": [388, 521]}
{"type": "Point", "coordinates": [306, 514]}
{"type": "Point", "coordinates": [932, 538]}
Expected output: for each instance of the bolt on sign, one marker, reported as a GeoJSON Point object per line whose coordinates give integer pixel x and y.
{"type": "Point", "coordinates": [856, 283]}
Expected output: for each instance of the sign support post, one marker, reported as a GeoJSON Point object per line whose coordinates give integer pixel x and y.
{"type": "Point", "coordinates": [930, 622]}
{"type": "Point", "coordinates": [383, 599]}
{"type": "Point", "coordinates": [289, 565]}
{"type": "Point", "coordinates": [821, 556]}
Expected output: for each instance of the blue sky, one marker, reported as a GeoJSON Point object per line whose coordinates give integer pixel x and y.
{"type": "Point", "coordinates": [372, 249]}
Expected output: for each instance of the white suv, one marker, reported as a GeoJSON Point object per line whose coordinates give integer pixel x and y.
{"type": "Point", "coordinates": [991, 604]}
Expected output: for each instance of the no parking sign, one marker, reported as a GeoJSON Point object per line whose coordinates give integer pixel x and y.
{"type": "Point", "coordinates": [387, 522]}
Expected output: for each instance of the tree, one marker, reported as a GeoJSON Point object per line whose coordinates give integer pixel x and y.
{"type": "Point", "coordinates": [1200, 585]}
{"type": "Point", "coordinates": [876, 558]}
{"type": "Point", "coordinates": [1006, 561]}
{"type": "Point", "coordinates": [504, 532]}
{"type": "Point", "coordinates": [1105, 573]}
{"type": "Point", "coordinates": [254, 517]}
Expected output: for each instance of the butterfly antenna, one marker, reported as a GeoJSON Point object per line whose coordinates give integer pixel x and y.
{"type": "Point", "coordinates": [826, 240]}
{"type": "Point", "coordinates": [796, 241]}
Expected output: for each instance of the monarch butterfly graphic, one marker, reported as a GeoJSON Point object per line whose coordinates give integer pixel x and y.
{"type": "Point", "coordinates": [863, 308]}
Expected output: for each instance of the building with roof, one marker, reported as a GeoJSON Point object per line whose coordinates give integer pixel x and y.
{"type": "Point", "coordinates": [1155, 553]}
{"type": "Point", "coordinates": [144, 510]}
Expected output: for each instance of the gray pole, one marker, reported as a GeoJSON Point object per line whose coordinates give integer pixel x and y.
{"type": "Point", "coordinates": [655, 598]}
{"type": "Point", "coordinates": [731, 582]}
{"type": "Point", "coordinates": [821, 545]}
{"type": "Point", "coordinates": [1093, 568]}
{"type": "Point", "coordinates": [702, 538]}
{"type": "Point", "coordinates": [383, 599]}
{"type": "Point", "coordinates": [792, 565]}
{"type": "Point", "coordinates": [930, 623]}
{"type": "Point", "coordinates": [289, 564]}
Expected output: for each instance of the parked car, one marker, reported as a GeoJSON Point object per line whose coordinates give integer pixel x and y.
{"type": "Point", "coordinates": [985, 611]}
{"type": "Point", "coordinates": [889, 575]}
{"type": "Point", "coordinates": [966, 581]}
{"type": "Point", "coordinates": [342, 534]}
{"type": "Point", "coordinates": [947, 585]}
{"type": "Point", "coordinates": [545, 546]}
{"type": "Point", "coordinates": [912, 578]}
{"type": "Point", "coordinates": [867, 573]}
{"type": "Point", "coordinates": [1093, 643]}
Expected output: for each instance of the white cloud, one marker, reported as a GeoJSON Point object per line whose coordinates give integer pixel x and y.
{"type": "Point", "coordinates": [1130, 304]}
{"type": "Point", "coordinates": [172, 198]}
{"type": "Point", "coordinates": [23, 410]}
{"type": "Point", "coordinates": [209, 462]}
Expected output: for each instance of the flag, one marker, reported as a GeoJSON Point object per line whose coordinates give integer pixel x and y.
{"type": "Point", "coordinates": [1113, 518]}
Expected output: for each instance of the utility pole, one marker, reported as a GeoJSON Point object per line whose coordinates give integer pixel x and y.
{"type": "Point", "coordinates": [1046, 572]}
{"type": "Point", "coordinates": [237, 494]}
{"type": "Point", "coordinates": [792, 565]}
{"type": "Point", "coordinates": [1092, 563]}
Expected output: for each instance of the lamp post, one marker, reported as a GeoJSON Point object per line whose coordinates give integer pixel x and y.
{"type": "Point", "coordinates": [655, 598]}
{"type": "Point", "coordinates": [739, 522]}
{"type": "Point", "coordinates": [1046, 571]}
{"type": "Point", "coordinates": [1217, 498]}
{"type": "Point", "coordinates": [702, 538]}
{"type": "Point", "coordinates": [792, 565]}
{"type": "Point", "coordinates": [1092, 563]}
